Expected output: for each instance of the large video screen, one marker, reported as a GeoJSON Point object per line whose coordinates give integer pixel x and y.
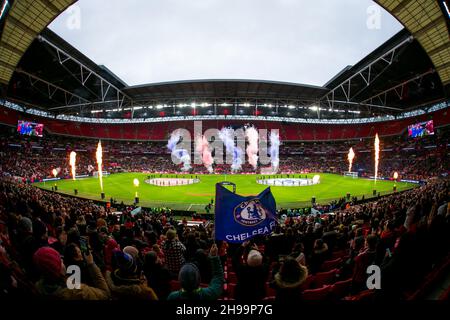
{"type": "Point", "coordinates": [421, 129]}
{"type": "Point", "coordinates": [30, 128]}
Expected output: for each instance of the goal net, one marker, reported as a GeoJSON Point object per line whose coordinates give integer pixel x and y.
{"type": "Point", "coordinates": [95, 173]}
{"type": "Point", "coordinates": [354, 175]}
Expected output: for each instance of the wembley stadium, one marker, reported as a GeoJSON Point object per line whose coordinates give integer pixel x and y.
{"type": "Point", "coordinates": [222, 189]}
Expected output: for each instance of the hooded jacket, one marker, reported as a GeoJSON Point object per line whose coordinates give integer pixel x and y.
{"type": "Point", "coordinates": [60, 291]}
{"type": "Point", "coordinates": [288, 290]}
{"type": "Point", "coordinates": [128, 288]}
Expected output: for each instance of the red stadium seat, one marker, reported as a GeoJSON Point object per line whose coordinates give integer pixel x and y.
{"type": "Point", "coordinates": [445, 296]}
{"type": "Point", "coordinates": [316, 294]}
{"type": "Point", "coordinates": [175, 285]}
{"type": "Point", "coordinates": [366, 295]}
{"type": "Point", "coordinates": [269, 290]}
{"type": "Point", "coordinates": [339, 254]}
{"type": "Point", "coordinates": [289, 132]}
{"type": "Point", "coordinates": [232, 290]}
{"type": "Point", "coordinates": [341, 289]}
{"type": "Point", "coordinates": [324, 278]}
{"type": "Point", "coordinates": [330, 264]}
{"type": "Point", "coordinates": [232, 278]}
{"type": "Point", "coordinates": [269, 299]}
{"type": "Point", "coordinates": [307, 283]}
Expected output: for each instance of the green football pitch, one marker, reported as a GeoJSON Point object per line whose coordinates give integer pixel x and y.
{"type": "Point", "coordinates": [195, 197]}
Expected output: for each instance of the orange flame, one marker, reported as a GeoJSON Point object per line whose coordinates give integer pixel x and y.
{"type": "Point", "coordinates": [73, 163]}
{"type": "Point", "coordinates": [99, 156]}
{"type": "Point", "coordinates": [350, 157]}
{"type": "Point", "coordinates": [377, 155]}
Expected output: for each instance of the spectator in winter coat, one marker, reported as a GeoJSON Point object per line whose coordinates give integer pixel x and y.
{"type": "Point", "coordinates": [288, 281]}
{"type": "Point", "coordinates": [157, 275]}
{"type": "Point", "coordinates": [174, 252]}
{"type": "Point", "coordinates": [362, 261]}
{"type": "Point", "coordinates": [252, 273]}
{"type": "Point", "coordinates": [52, 283]}
{"type": "Point", "coordinates": [190, 280]}
{"type": "Point", "coordinates": [125, 282]}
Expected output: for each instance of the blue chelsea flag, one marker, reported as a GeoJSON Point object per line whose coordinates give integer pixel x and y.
{"type": "Point", "coordinates": [238, 218]}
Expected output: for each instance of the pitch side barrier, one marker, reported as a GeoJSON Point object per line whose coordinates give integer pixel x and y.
{"type": "Point", "coordinates": [210, 216]}
{"type": "Point", "coordinates": [78, 177]}
{"type": "Point", "coordinates": [421, 182]}
{"type": "Point", "coordinates": [102, 203]}
{"type": "Point", "coordinates": [366, 200]}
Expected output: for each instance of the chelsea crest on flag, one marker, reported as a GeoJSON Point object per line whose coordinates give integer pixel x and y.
{"type": "Point", "coordinates": [238, 218]}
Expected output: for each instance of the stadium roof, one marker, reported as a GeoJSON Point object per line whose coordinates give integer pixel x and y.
{"type": "Point", "coordinates": [232, 89]}
{"type": "Point", "coordinates": [398, 76]}
{"type": "Point", "coordinates": [25, 20]}
{"type": "Point", "coordinates": [404, 66]}
{"type": "Point", "coordinates": [428, 24]}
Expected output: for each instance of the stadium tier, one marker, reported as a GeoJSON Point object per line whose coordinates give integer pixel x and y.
{"type": "Point", "coordinates": [413, 159]}
{"type": "Point", "coordinates": [160, 131]}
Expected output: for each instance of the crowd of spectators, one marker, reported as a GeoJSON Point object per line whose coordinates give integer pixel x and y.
{"type": "Point", "coordinates": [33, 159]}
{"type": "Point", "coordinates": [150, 255]}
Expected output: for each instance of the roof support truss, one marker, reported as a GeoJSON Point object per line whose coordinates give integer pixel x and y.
{"type": "Point", "coordinates": [85, 73]}
{"type": "Point", "coordinates": [397, 90]}
{"type": "Point", "coordinates": [367, 74]}
{"type": "Point", "coordinates": [51, 89]}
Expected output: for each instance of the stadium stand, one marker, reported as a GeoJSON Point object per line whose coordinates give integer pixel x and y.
{"type": "Point", "coordinates": [49, 219]}
{"type": "Point", "coordinates": [429, 156]}
{"type": "Point", "coordinates": [288, 132]}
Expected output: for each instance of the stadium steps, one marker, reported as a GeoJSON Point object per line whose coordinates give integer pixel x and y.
{"type": "Point", "coordinates": [435, 284]}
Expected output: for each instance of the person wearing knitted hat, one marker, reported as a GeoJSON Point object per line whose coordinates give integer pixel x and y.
{"type": "Point", "coordinates": [52, 283]}
{"type": "Point", "coordinates": [25, 225]}
{"type": "Point", "coordinates": [110, 247]}
{"type": "Point", "coordinates": [189, 277]}
{"type": "Point", "coordinates": [287, 282]}
{"type": "Point", "coordinates": [174, 252]}
{"type": "Point", "coordinates": [252, 272]}
{"type": "Point", "coordinates": [125, 282]}
{"type": "Point", "coordinates": [132, 251]}
{"type": "Point", "coordinates": [26, 244]}
{"type": "Point", "coordinates": [254, 258]}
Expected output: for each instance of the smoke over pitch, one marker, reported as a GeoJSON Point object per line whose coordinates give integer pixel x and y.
{"type": "Point", "coordinates": [205, 152]}
{"type": "Point", "coordinates": [181, 154]}
{"type": "Point", "coordinates": [227, 136]}
{"type": "Point", "coordinates": [252, 150]}
{"type": "Point", "coordinates": [274, 150]}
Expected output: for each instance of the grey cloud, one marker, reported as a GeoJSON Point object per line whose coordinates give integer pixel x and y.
{"type": "Point", "coordinates": [164, 40]}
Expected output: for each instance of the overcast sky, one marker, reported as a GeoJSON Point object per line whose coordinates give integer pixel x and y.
{"type": "Point", "coordinates": [301, 41]}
